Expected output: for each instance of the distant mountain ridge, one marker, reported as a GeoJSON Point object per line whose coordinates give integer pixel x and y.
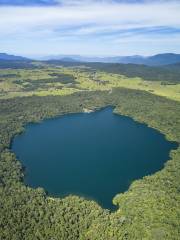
{"type": "Point", "coordinates": [8, 57]}
{"type": "Point", "coordinates": [163, 59]}
{"type": "Point", "coordinates": [156, 60]}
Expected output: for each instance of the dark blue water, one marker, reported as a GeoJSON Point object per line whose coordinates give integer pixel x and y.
{"type": "Point", "coordinates": [94, 155]}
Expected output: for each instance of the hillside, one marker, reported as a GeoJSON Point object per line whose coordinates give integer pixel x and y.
{"type": "Point", "coordinates": [8, 57]}
{"type": "Point", "coordinates": [156, 60]}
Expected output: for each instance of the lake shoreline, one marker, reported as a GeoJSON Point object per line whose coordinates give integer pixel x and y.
{"type": "Point", "coordinates": [97, 111]}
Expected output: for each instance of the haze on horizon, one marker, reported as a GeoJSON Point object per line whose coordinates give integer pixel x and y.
{"type": "Point", "coordinates": [89, 27]}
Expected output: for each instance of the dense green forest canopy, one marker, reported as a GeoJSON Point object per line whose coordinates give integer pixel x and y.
{"type": "Point", "coordinates": [4, 64]}
{"type": "Point", "coordinates": [150, 209]}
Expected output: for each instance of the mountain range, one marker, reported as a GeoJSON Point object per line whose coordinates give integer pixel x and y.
{"type": "Point", "coordinates": [7, 57]}
{"type": "Point", "coordinates": [155, 60]}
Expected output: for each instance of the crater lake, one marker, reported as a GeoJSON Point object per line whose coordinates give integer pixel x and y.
{"type": "Point", "coordinates": [95, 155]}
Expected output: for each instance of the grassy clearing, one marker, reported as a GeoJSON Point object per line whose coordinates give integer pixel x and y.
{"type": "Point", "coordinates": [105, 81]}
{"type": "Point", "coordinates": [49, 81]}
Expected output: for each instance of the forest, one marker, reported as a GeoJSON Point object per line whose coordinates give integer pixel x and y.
{"type": "Point", "coordinates": [150, 209]}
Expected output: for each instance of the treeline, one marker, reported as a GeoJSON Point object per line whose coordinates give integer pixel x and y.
{"type": "Point", "coordinates": [149, 210]}
{"type": "Point", "coordinates": [18, 64]}
{"type": "Point", "coordinates": [168, 73]}
{"type": "Point", "coordinates": [32, 85]}
{"type": "Point", "coordinates": [165, 74]}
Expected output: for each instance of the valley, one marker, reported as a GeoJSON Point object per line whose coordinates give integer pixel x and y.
{"type": "Point", "coordinates": [44, 92]}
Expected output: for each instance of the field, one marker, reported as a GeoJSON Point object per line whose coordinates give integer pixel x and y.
{"type": "Point", "coordinates": [67, 80]}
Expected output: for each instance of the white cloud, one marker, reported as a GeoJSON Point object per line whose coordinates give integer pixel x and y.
{"type": "Point", "coordinates": [143, 15]}
{"type": "Point", "coordinates": [91, 19]}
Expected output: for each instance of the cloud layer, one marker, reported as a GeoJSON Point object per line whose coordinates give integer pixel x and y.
{"type": "Point", "coordinates": [90, 27]}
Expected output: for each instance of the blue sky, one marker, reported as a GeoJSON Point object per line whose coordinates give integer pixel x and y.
{"type": "Point", "coordinates": [89, 27]}
{"type": "Point", "coordinates": [56, 2]}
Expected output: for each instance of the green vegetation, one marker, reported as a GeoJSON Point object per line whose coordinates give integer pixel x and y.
{"type": "Point", "coordinates": [5, 64]}
{"type": "Point", "coordinates": [53, 80]}
{"type": "Point", "coordinates": [150, 209]}
{"type": "Point", "coordinates": [168, 73]}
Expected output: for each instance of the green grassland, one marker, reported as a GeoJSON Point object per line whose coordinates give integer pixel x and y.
{"type": "Point", "coordinates": [66, 80]}
{"type": "Point", "coordinates": [149, 210]}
